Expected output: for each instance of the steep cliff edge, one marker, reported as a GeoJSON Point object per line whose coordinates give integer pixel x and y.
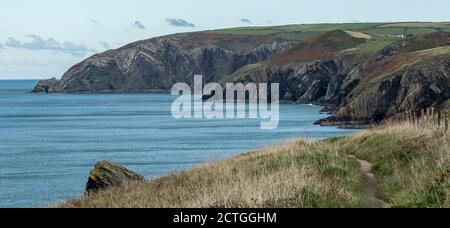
{"type": "Point", "coordinates": [361, 85]}
{"type": "Point", "coordinates": [362, 73]}
{"type": "Point", "coordinates": [157, 64]}
{"type": "Point", "coordinates": [422, 84]}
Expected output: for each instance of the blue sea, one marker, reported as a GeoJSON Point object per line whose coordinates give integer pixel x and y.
{"type": "Point", "coordinates": [49, 142]}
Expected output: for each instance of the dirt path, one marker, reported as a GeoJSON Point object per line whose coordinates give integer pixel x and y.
{"type": "Point", "coordinates": [370, 195]}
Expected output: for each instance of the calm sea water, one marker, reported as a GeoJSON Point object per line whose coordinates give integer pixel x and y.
{"type": "Point", "coordinates": [49, 142]}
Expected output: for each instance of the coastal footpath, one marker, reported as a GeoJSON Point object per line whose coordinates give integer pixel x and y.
{"type": "Point", "coordinates": [400, 164]}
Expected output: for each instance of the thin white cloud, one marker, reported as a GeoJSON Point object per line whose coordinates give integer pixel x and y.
{"type": "Point", "coordinates": [246, 21]}
{"type": "Point", "coordinates": [139, 25]}
{"type": "Point", "coordinates": [37, 43]}
{"type": "Point", "coordinates": [177, 22]}
{"type": "Point", "coordinates": [93, 21]}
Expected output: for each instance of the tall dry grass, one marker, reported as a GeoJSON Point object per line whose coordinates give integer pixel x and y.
{"type": "Point", "coordinates": [295, 174]}
{"type": "Point", "coordinates": [411, 162]}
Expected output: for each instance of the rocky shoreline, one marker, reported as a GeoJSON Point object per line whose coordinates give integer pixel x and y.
{"type": "Point", "coordinates": [332, 121]}
{"type": "Point", "coordinates": [357, 86]}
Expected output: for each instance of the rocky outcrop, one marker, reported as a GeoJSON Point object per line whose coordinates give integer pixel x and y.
{"type": "Point", "coordinates": [107, 175]}
{"type": "Point", "coordinates": [157, 64]}
{"type": "Point", "coordinates": [325, 82]}
{"type": "Point", "coordinates": [45, 86]}
{"type": "Point", "coordinates": [418, 86]}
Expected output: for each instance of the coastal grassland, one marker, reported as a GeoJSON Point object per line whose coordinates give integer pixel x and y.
{"type": "Point", "coordinates": [295, 174]}
{"type": "Point", "coordinates": [412, 164]}
{"type": "Point", "coordinates": [381, 31]}
{"type": "Point", "coordinates": [421, 31]}
{"type": "Point", "coordinates": [375, 44]}
{"type": "Point", "coordinates": [296, 28]}
{"type": "Point", "coordinates": [296, 32]}
{"type": "Point", "coordinates": [303, 32]}
{"type": "Point", "coordinates": [297, 36]}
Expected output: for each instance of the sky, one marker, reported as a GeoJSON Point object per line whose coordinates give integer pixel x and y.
{"type": "Point", "coordinates": [42, 39]}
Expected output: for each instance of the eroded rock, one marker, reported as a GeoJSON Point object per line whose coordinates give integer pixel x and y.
{"type": "Point", "coordinates": [45, 86]}
{"type": "Point", "coordinates": [108, 175]}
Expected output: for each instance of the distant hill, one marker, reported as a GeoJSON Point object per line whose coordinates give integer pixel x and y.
{"type": "Point", "coordinates": [364, 72]}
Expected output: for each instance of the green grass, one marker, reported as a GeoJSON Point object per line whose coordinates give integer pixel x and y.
{"type": "Point", "coordinates": [375, 44]}
{"type": "Point", "coordinates": [411, 162]}
{"type": "Point", "coordinates": [384, 35]}
{"type": "Point", "coordinates": [297, 36]}
{"type": "Point", "coordinates": [329, 27]}
{"type": "Point", "coordinates": [296, 32]}
{"type": "Point", "coordinates": [299, 32]}
{"type": "Point", "coordinates": [248, 31]}
{"type": "Point", "coordinates": [296, 28]}
{"type": "Point", "coordinates": [386, 31]}
{"type": "Point", "coordinates": [416, 31]}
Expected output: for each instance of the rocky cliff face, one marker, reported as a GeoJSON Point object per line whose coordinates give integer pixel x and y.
{"type": "Point", "coordinates": [361, 78]}
{"type": "Point", "coordinates": [319, 81]}
{"type": "Point", "coordinates": [362, 88]}
{"type": "Point", "coordinates": [423, 84]}
{"type": "Point", "coordinates": [157, 64]}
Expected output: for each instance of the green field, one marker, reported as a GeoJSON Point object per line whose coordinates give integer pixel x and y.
{"type": "Point", "coordinates": [421, 30]}
{"type": "Point", "coordinates": [297, 36]}
{"type": "Point", "coordinates": [376, 43]}
{"type": "Point", "coordinates": [305, 31]}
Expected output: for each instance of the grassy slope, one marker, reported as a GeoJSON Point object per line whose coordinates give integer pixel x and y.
{"type": "Point", "coordinates": [375, 44]}
{"type": "Point", "coordinates": [382, 34]}
{"type": "Point", "coordinates": [412, 163]}
{"type": "Point", "coordinates": [416, 49]}
{"type": "Point", "coordinates": [321, 46]}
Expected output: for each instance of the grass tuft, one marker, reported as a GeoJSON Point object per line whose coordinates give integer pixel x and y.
{"type": "Point", "coordinates": [412, 164]}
